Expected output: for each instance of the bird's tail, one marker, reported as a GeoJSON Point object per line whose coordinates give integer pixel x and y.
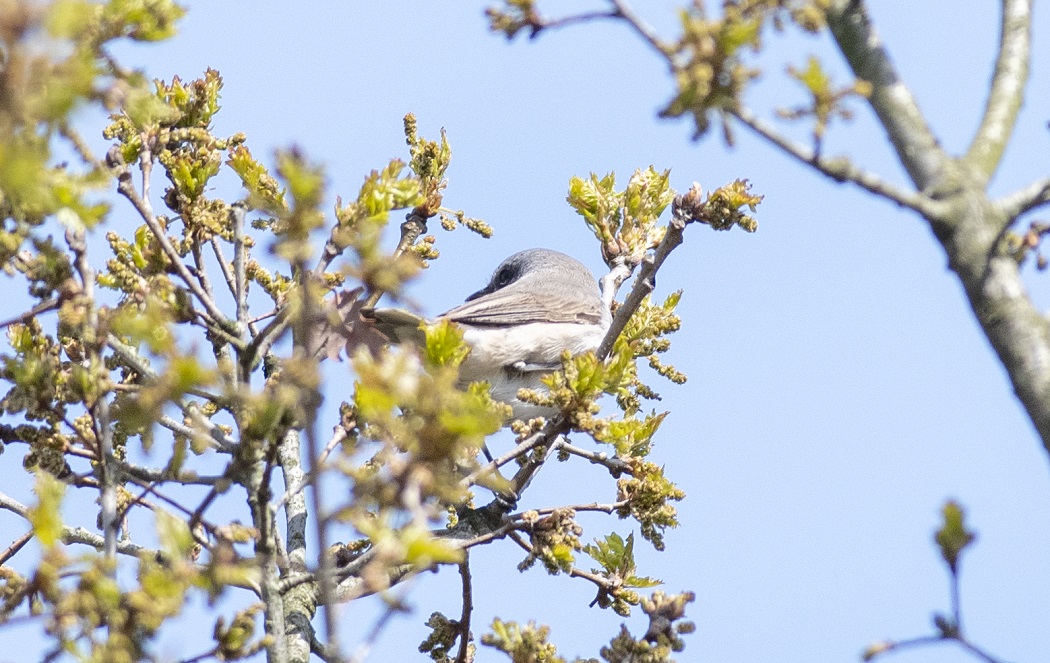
{"type": "Point", "coordinates": [399, 325]}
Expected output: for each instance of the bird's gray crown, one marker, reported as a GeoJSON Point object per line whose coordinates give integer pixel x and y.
{"type": "Point", "coordinates": [538, 263]}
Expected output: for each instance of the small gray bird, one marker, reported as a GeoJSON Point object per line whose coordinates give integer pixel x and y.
{"type": "Point", "coordinates": [538, 304]}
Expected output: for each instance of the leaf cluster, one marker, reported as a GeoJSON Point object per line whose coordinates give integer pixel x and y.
{"type": "Point", "coordinates": [625, 222]}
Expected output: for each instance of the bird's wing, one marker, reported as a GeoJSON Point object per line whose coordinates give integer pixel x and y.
{"type": "Point", "coordinates": [510, 306]}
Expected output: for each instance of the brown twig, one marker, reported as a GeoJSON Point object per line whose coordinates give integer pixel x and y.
{"type": "Point", "coordinates": [468, 607]}
{"type": "Point", "coordinates": [126, 188]}
{"type": "Point", "coordinates": [608, 507]}
{"type": "Point", "coordinates": [415, 224]}
{"type": "Point", "coordinates": [42, 307]}
{"type": "Point", "coordinates": [611, 463]}
{"type": "Point", "coordinates": [840, 169]}
{"type": "Point", "coordinates": [15, 546]}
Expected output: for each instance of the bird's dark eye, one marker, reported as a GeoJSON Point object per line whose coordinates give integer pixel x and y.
{"type": "Point", "coordinates": [504, 276]}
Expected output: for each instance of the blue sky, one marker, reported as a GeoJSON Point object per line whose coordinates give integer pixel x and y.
{"type": "Point", "coordinates": [839, 387]}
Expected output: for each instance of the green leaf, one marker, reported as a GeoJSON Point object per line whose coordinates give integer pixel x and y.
{"type": "Point", "coordinates": [46, 516]}
{"type": "Point", "coordinates": [445, 346]}
{"type": "Point", "coordinates": [262, 187]}
{"type": "Point", "coordinates": [175, 537]}
{"type": "Point", "coordinates": [144, 20]}
{"type": "Point", "coordinates": [616, 557]}
{"type": "Point", "coordinates": [953, 537]}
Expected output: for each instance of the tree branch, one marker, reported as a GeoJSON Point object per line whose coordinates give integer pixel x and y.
{"type": "Point", "coordinates": [893, 103]}
{"type": "Point", "coordinates": [611, 463]}
{"type": "Point", "coordinates": [468, 607]}
{"type": "Point", "coordinates": [127, 189]}
{"type": "Point", "coordinates": [528, 444]}
{"type": "Point", "coordinates": [1007, 90]}
{"type": "Point", "coordinates": [601, 582]}
{"type": "Point", "coordinates": [414, 225]}
{"type": "Point", "coordinates": [840, 169]}
{"type": "Point", "coordinates": [240, 260]}
{"type": "Point", "coordinates": [15, 546]}
{"type": "Point", "coordinates": [42, 307]}
{"type": "Point", "coordinates": [99, 410]}
{"type": "Point", "coordinates": [609, 507]}
{"type": "Point", "coordinates": [1027, 199]}
{"type": "Point", "coordinates": [1016, 328]}
{"type": "Point", "coordinates": [625, 12]}
{"type": "Point", "coordinates": [79, 534]}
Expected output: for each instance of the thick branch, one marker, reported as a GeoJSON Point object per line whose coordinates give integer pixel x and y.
{"type": "Point", "coordinates": [1007, 90]}
{"type": "Point", "coordinates": [893, 103]}
{"type": "Point", "coordinates": [1018, 331]}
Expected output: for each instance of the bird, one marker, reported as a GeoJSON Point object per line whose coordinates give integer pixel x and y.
{"type": "Point", "coordinates": [538, 304]}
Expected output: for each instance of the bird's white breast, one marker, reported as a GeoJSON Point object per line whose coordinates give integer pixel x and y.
{"type": "Point", "coordinates": [497, 351]}
{"type": "Point", "coordinates": [541, 343]}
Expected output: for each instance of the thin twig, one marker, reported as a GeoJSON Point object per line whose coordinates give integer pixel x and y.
{"type": "Point", "coordinates": [574, 572]}
{"type": "Point", "coordinates": [624, 11]}
{"type": "Point", "coordinates": [498, 533]}
{"type": "Point", "coordinates": [468, 608]}
{"type": "Point", "coordinates": [193, 520]}
{"type": "Point", "coordinates": [1026, 199]}
{"type": "Point", "coordinates": [200, 657]}
{"type": "Point", "coordinates": [224, 265]}
{"type": "Point", "coordinates": [99, 410]}
{"type": "Point", "coordinates": [160, 476]}
{"type": "Point", "coordinates": [927, 640]}
{"type": "Point", "coordinates": [42, 307]}
{"type": "Point", "coordinates": [393, 606]}
{"type": "Point", "coordinates": [530, 443]}
{"type": "Point", "coordinates": [141, 365]}
{"type": "Point", "coordinates": [15, 546]}
{"type": "Point", "coordinates": [200, 270]}
{"type": "Point", "coordinates": [615, 465]}
{"type": "Point", "coordinates": [267, 336]}
{"type": "Point", "coordinates": [644, 284]}
{"type": "Point", "coordinates": [414, 225]}
{"type": "Point", "coordinates": [14, 506]}
{"type": "Point", "coordinates": [955, 599]}
{"type": "Point", "coordinates": [80, 146]}
{"type": "Point", "coordinates": [78, 534]}
{"type": "Point", "coordinates": [540, 24]}
{"type": "Point", "coordinates": [608, 507]}
{"type": "Point", "coordinates": [840, 169]}
{"type": "Point", "coordinates": [192, 433]}
{"type": "Point", "coordinates": [127, 189]}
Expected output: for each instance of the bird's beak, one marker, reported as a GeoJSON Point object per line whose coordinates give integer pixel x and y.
{"type": "Point", "coordinates": [484, 291]}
